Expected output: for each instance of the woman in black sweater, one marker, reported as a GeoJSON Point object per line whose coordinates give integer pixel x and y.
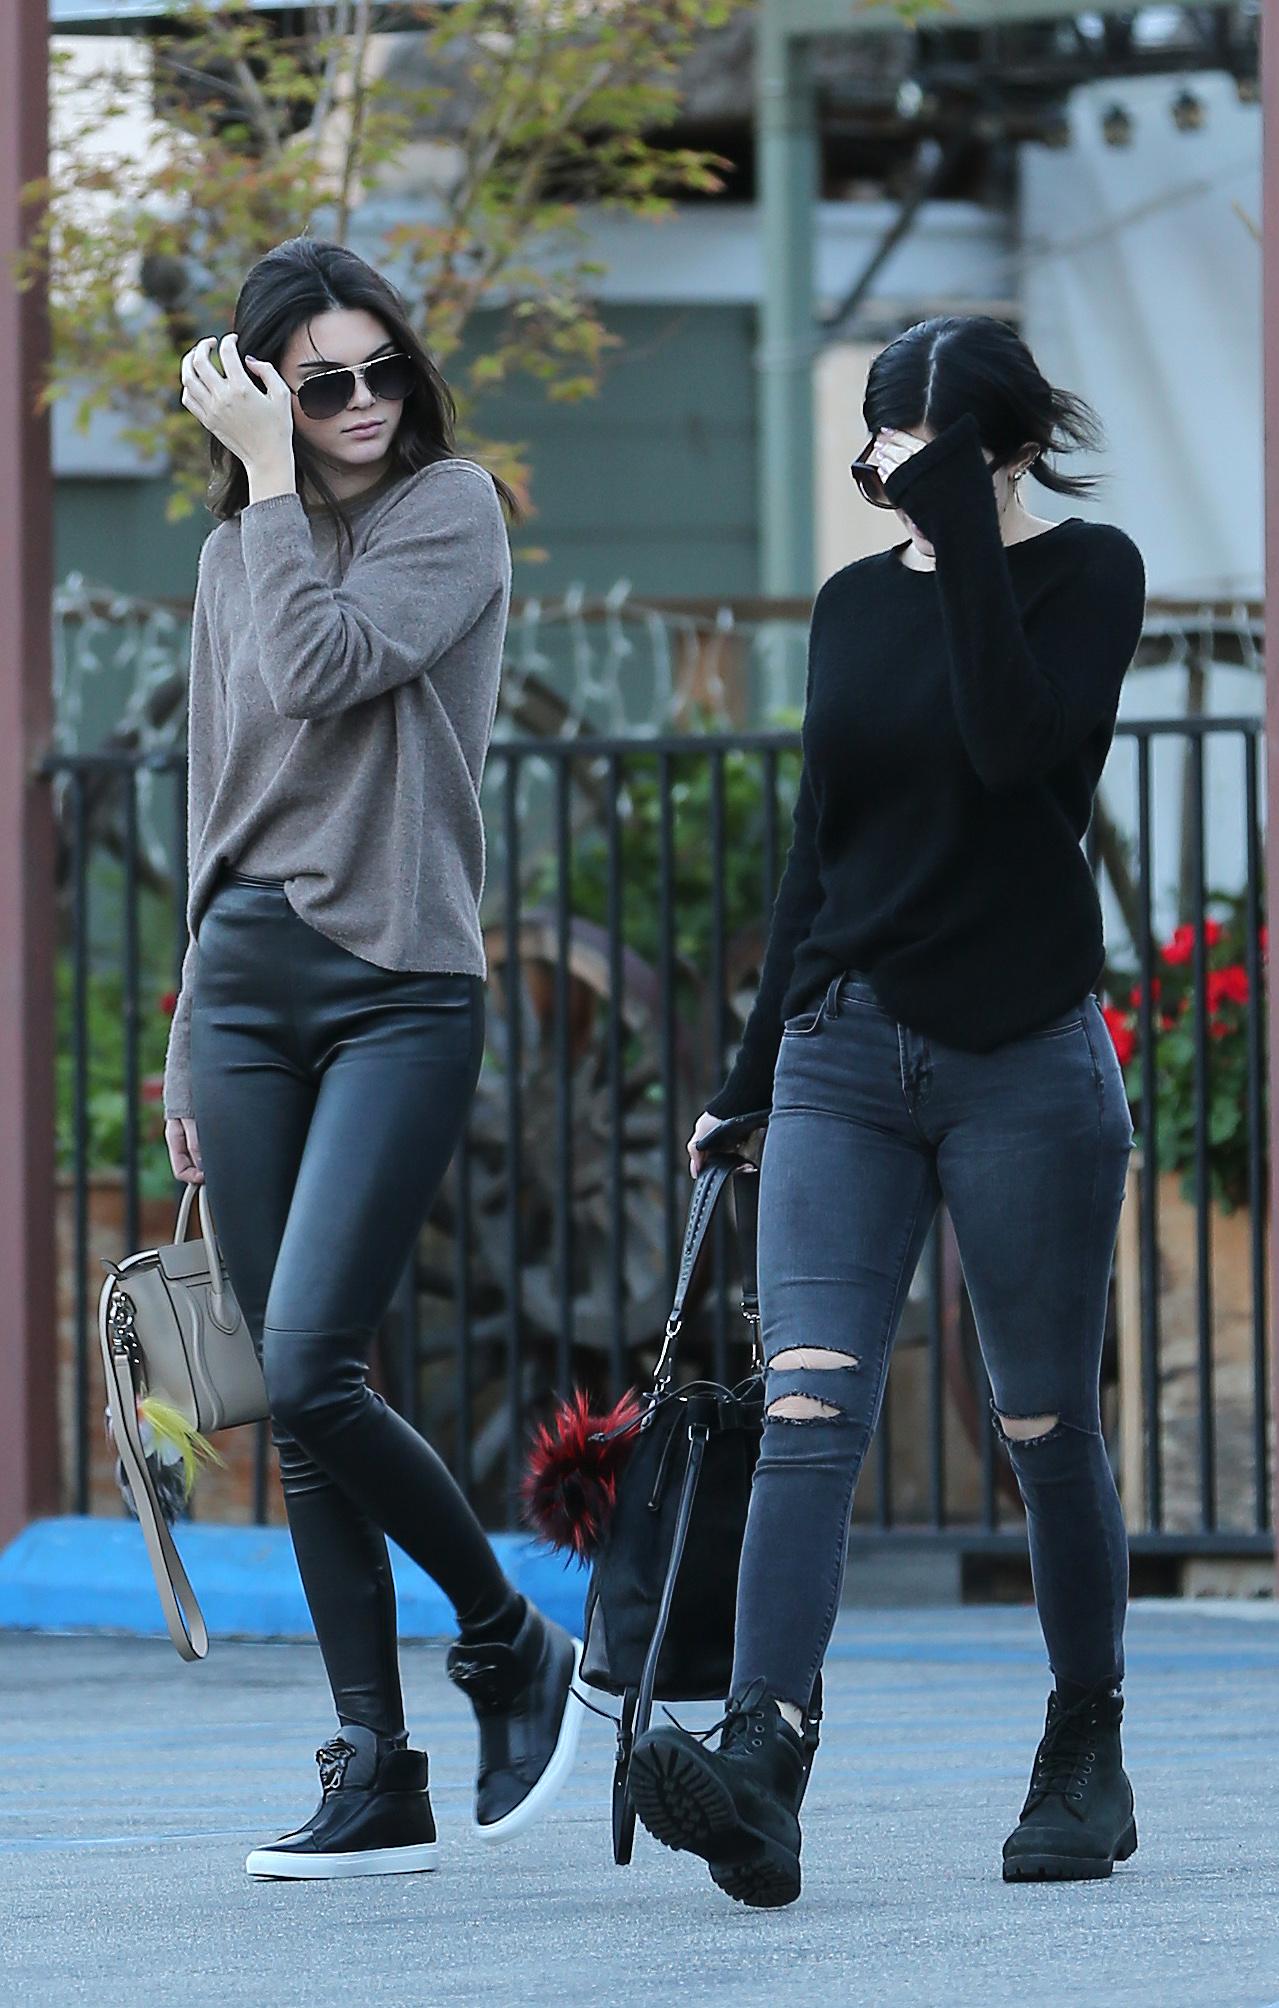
{"type": "Point", "coordinates": [926, 1029]}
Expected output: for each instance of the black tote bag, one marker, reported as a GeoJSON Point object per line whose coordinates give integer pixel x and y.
{"type": "Point", "coordinates": [664, 1585]}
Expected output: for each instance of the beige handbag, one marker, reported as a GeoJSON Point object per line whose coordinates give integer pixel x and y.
{"type": "Point", "coordinates": [170, 1329]}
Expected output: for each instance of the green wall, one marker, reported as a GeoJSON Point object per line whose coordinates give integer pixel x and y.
{"type": "Point", "coordinates": [114, 533]}
{"type": "Point", "coordinates": [653, 481]}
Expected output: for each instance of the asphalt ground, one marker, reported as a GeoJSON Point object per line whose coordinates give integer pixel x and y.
{"type": "Point", "coordinates": [134, 1786]}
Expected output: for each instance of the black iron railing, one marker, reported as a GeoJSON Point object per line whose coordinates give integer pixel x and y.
{"type": "Point", "coordinates": [630, 884]}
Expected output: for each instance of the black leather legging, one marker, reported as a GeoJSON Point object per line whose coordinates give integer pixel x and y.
{"type": "Point", "coordinates": [329, 1096]}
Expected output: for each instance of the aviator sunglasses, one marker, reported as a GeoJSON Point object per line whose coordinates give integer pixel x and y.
{"type": "Point", "coordinates": [328, 392]}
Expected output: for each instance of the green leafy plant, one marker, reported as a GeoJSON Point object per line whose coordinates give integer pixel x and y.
{"type": "Point", "coordinates": [106, 1104]}
{"type": "Point", "coordinates": [179, 159]}
{"type": "Point", "coordinates": [746, 899]}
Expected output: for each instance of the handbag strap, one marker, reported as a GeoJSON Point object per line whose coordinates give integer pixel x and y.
{"type": "Point", "coordinates": [746, 1212]}
{"type": "Point", "coordinates": [178, 1600]}
{"type": "Point", "coordinates": [696, 1437]}
{"type": "Point", "coordinates": [209, 1235]}
{"type": "Point", "coordinates": [716, 1175]}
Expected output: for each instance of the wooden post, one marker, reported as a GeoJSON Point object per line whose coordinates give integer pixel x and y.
{"type": "Point", "coordinates": [1270, 362]}
{"type": "Point", "coordinates": [28, 1406]}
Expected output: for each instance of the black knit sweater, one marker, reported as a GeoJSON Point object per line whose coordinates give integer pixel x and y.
{"type": "Point", "coordinates": [956, 728]}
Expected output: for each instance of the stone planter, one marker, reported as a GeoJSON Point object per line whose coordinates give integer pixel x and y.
{"type": "Point", "coordinates": [1232, 1355]}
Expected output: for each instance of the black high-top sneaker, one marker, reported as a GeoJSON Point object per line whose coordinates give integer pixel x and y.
{"type": "Point", "coordinates": [1077, 1821]}
{"type": "Point", "coordinates": [738, 1806]}
{"type": "Point", "coordinates": [374, 1818]}
{"type": "Point", "coordinates": [529, 1720]}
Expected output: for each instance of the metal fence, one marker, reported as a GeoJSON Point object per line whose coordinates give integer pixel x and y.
{"type": "Point", "coordinates": [630, 885]}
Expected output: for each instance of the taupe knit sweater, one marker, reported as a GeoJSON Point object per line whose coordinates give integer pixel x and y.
{"type": "Point", "coordinates": [341, 704]}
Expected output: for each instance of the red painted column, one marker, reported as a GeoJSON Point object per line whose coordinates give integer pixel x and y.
{"type": "Point", "coordinates": [1270, 360]}
{"type": "Point", "coordinates": [28, 1408]}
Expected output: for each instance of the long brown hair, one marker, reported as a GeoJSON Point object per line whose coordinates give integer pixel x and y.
{"type": "Point", "coordinates": [299, 279]}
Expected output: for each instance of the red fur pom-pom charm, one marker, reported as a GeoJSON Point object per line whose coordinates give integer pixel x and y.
{"type": "Point", "coordinates": [574, 1463]}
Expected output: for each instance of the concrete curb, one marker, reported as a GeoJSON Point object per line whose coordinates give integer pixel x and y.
{"type": "Point", "coordinates": [91, 1575]}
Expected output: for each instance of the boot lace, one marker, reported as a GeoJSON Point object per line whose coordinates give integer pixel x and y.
{"type": "Point", "coordinates": [333, 1758]}
{"type": "Point", "coordinates": [1066, 1755]}
{"type": "Point", "coordinates": [742, 1721]}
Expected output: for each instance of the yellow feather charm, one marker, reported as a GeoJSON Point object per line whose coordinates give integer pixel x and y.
{"type": "Point", "coordinates": [171, 1429]}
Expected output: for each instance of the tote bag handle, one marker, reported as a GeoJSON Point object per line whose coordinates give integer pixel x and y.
{"type": "Point", "coordinates": [716, 1175]}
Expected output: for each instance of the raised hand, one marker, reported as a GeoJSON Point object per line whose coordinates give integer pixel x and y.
{"type": "Point", "coordinates": [892, 450]}
{"type": "Point", "coordinates": [253, 419]}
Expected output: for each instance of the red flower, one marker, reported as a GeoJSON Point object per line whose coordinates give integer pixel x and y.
{"type": "Point", "coordinates": [1122, 1036]}
{"type": "Point", "coordinates": [1227, 986]}
{"type": "Point", "coordinates": [1218, 1028]}
{"type": "Point", "coordinates": [169, 1003]}
{"type": "Point", "coordinates": [1182, 946]}
{"type": "Point", "coordinates": [1156, 989]}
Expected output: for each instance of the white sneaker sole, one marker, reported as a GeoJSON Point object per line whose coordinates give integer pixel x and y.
{"type": "Point", "coordinates": [548, 1785]}
{"type": "Point", "coordinates": [268, 1865]}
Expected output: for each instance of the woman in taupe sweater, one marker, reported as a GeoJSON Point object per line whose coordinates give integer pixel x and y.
{"type": "Point", "coordinates": [346, 649]}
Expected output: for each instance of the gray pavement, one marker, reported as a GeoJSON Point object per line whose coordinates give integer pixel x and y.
{"type": "Point", "coordinates": [134, 1786]}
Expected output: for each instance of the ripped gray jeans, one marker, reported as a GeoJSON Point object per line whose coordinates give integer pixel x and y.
{"type": "Point", "coordinates": [872, 1126]}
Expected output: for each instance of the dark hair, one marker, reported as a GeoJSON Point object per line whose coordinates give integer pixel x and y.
{"type": "Point", "coordinates": [958, 363]}
{"type": "Point", "coordinates": [298, 279]}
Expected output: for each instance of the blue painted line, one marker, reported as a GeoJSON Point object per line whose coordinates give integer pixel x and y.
{"type": "Point", "coordinates": [89, 1575]}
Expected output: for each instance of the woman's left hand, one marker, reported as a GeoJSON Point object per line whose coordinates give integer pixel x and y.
{"type": "Point", "coordinates": [892, 450]}
{"type": "Point", "coordinates": [253, 419]}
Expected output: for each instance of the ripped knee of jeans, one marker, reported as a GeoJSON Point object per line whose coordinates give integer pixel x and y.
{"type": "Point", "coordinates": [797, 1386]}
{"type": "Point", "coordinates": [1041, 1432]}
{"type": "Point", "coordinates": [1026, 1432]}
{"type": "Point", "coordinates": [1049, 1450]}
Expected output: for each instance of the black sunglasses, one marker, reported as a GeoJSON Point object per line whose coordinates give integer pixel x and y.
{"type": "Point", "coordinates": [869, 480]}
{"type": "Point", "coordinates": [328, 392]}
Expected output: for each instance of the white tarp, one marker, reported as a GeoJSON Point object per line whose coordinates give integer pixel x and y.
{"type": "Point", "coordinates": [1141, 288]}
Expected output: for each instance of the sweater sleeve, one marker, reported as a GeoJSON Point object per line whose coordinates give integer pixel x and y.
{"type": "Point", "coordinates": [431, 566]}
{"type": "Point", "coordinates": [750, 1082]}
{"type": "Point", "coordinates": [204, 735]}
{"type": "Point", "coordinates": [1023, 706]}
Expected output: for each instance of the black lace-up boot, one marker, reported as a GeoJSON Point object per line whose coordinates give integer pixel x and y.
{"type": "Point", "coordinates": [737, 1806]}
{"type": "Point", "coordinates": [529, 1720]}
{"type": "Point", "coordinates": [374, 1818]}
{"type": "Point", "coordinates": [1077, 1821]}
